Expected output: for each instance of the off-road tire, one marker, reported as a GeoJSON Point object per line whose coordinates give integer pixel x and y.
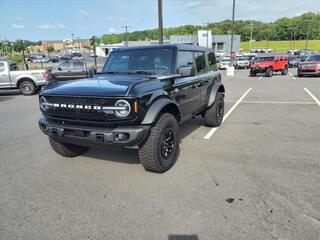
{"type": "Point", "coordinates": [284, 71]}
{"type": "Point", "coordinates": [214, 115]}
{"type": "Point", "coordinates": [27, 87]}
{"type": "Point", "coordinates": [252, 74]}
{"type": "Point", "coordinates": [152, 151]}
{"type": "Point", "coordinates": [67, 149]}
{"type": "Point", "coordinates": [269, 72]}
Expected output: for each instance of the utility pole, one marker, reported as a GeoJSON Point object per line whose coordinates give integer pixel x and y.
{"type": "Point", "coordinates": [306, 46]}
{"type": "Point", "coordinates": [24, 58]}
{"type": "Point", "coordinates": [72, 34]}
{"type": "Point", "coordinates": [94, 51]}
{"type": "Point", "coordinates": [160, 21]}
{"type": "Point", "coordinates": [78, 42]}
{"type": "Point", "coordinates": [126, 34]}
{"type": "Point", "coordinates": [232, 27]}
{"type": "Point", "coordinates": [292, 34]}
{"type": "Point", "coordinates": [251, 28]}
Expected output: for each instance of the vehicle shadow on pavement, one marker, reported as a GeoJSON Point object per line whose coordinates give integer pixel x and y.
{"type": "Point", "coordinates": [190, 126]}
{"type": "Point", "coordinates": [114, 154]}
{"type": "Point", "coordinates": [130, 156]}
{"type": "Point", "coordinates": [183, 237]}
{"type": "Point", "coordinates": [10, 93]}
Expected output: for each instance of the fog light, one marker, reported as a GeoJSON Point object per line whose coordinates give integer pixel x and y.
{"type": "Point", "coordinates": [120, 137]}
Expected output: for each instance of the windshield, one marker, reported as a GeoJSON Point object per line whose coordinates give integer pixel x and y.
{"type": "Point", "coordinates": [242, 59]}
{"type": "Point", "coordinates": [141, 61]}
{"type": "Point", "coordinates": [226, 60]}
{"type": "Point", "coordinates": [313, 58]}
{"type": "Point", "coordinates": [263, 59]}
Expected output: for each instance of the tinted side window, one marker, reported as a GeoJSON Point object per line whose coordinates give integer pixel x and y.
{"type": "Point", "coordinates": [78, 65]}
{"type": "Point", "coordinates": [65, 65]}
{"type": "Point", "coordinates": [200, 62]}
{"type": "Point", "coordinates": [14, 67]}
{"type": "Point", "coordinates": [1, 67]}
{"type": "Point", "coordinates": [184, 58]}
{"type": "Point", "coordinates": [212, 61]}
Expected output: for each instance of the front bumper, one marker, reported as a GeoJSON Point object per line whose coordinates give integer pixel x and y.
{"type": "Point", "coordinates": [309, 71]}
{"type": "Point", "coordinates": [257, 69]}
{"type": "Point", "coordinates": [126, 136]}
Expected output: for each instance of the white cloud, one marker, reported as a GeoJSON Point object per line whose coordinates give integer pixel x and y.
{"type": "Point", "coordinates": [59, 25]}
{"type": "Point", "coordinates": [18, 18]}
{"type": "Point", "coordinates": [112, 30]}
{"type": "Point", "coordinates": [116, 19]}
{"type": "Point", "coordinates": [18, 26]}
{"type": "Point", "coordinates": [82, 14]}
{"type": "Point", "coordinates": [51, 26]}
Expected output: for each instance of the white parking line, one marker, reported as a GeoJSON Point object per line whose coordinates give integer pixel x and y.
{"type": "Point", "coordinates": [292, 76]}
{"type": "Point", "coordinates": [212, 131]}
{"type": "Point", "coordinates": [261, 76]}
{"type": "Point", "coordinates": [311, 95]}
{"type": "Point", "coordinates": [274, 102]}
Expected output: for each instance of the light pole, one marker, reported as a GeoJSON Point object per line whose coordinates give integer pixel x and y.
{"type": "Point", "coordinates": [160, 22]}
{"type": "Point", "coordinates": [251, 28]}
{"type": "Point", "coordinates": [232, 27]}
{"type": "Point", "coordinates": [72, 34]}
{"type": "Point", "coordinates": [24, 58]}
{"type": "Point", "coordinates": [126, 34]}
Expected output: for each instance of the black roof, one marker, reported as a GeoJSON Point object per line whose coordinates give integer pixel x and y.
{"type": "Point", "coordinates": [185, 47]}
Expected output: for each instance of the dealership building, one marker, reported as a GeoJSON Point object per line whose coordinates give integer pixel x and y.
{"type": "Point", "coordinates": [219, 43]}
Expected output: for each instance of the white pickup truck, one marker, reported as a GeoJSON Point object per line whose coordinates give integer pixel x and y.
{"type": "Point", "coordinates": [27, 81]}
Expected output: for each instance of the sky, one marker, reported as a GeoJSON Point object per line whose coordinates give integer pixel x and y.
{"type": "Point", "coordinates": [57, 19]}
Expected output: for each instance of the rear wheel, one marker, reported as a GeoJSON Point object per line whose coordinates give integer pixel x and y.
{"type": "Point", "coordinates": [214, 114]}
{"type": "Point", "coordinates": [67, 149]}
{"type": "Point", "coordinates": [27, 87]}
{"type": "Point", "coordinates": [269, 72]}
{"type": "Point", "coordinates": [252, 74]}
{"type": "Point", "coordinates": [160, 151]}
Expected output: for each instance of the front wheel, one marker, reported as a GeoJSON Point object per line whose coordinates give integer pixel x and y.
{"type": "Point", "coordinates": [67, 149]}
{"type": "Point", "coordinates": [284, 71]}
{"type": "Point", "coordinates": [160, 151]}
{"type": "Point", "coordinates": [269, 72]}
{"type": "Point", "coordinates": [27, 88]}
{"type": "Point", "coordinates": [214, 114]}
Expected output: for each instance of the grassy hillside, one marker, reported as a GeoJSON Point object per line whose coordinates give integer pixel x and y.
{"type": "Point", "coordinates": [281, 45]}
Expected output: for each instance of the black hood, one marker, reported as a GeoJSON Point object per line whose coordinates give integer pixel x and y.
{"type": "Point", "coordinates": [104, 85]}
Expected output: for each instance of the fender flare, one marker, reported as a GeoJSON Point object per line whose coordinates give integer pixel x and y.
{"type": "Point", "coordinates": [21, 77]}
{"type": "Point", "coordinates": [156, 108]}
{"type": "Point", "coordinates": [218, 87]}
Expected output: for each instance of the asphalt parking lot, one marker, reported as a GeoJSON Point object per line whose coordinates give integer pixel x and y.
{"type": "Point", "coordinates": [255, 177]}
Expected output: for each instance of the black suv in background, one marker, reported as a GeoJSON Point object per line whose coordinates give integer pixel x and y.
{"type": "Point", "coordinates": [139, 100]}
{"type": "Point", "coordinates": [69, 70]}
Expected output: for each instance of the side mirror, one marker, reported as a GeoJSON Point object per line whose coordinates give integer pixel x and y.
{"type": "Point", "coordinates": [187, 71]}
{"type": "Point", "coordinates": [59, 68]}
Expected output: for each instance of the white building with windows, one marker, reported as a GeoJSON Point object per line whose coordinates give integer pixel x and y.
{"type": "Point", "coordinates": [219, 43]}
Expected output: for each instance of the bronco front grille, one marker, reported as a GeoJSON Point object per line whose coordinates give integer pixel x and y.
{"type": "Point", "coordinates": [85, 113]}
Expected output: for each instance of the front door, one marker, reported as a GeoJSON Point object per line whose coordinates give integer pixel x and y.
{"type": "Point", "coordinates": [185, 90]}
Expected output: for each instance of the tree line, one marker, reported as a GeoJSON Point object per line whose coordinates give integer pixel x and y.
{"type": "Point", "coordinates": [280, 30]}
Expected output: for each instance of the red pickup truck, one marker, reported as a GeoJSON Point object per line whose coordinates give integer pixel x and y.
{"type": "Point", "coordinates": [311, 66]}
{"type": "Point", "coordinates": [269, 64]}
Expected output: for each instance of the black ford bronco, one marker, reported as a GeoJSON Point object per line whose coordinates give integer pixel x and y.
{"type": "Point", "coordinates": [139, 100]}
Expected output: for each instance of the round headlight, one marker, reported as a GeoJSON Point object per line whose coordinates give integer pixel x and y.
{"type": "Point", "coordinates": [124, 108]}
{"type": "Point", "coordinates": [44, 105]}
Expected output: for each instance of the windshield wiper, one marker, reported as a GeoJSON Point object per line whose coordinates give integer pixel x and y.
{"type": "Point", "coordinates": [141, 72]}
{"type": "Point", "coordinates": [111, 72]}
